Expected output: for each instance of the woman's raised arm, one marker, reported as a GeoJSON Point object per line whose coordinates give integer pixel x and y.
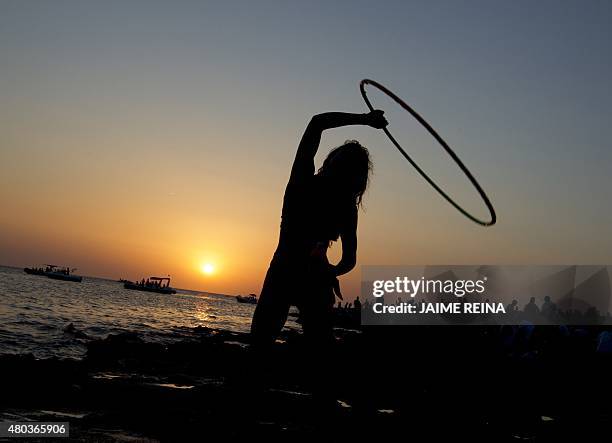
{"type": "Point", "coordinates": [303, 165]}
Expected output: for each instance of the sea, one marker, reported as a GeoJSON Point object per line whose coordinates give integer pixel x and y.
{"type": "Point", "coordinates": [36, 314]}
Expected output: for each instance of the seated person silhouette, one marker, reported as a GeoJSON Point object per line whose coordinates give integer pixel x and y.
{"type": "Point", "coordinates": [531, 310]}
{"type": "Point", "coordinates": [512, 307]}
{"type": "Point", "coordinates": [318, 208]}
{"type": "Point", "coordinates": [548, 307]}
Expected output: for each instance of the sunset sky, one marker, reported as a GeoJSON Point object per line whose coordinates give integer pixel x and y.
{"type": "Point", "coordinates": [143, 138]}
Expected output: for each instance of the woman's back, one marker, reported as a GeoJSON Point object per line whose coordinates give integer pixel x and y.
{"type": "Point", "coordinates": [313, 213]}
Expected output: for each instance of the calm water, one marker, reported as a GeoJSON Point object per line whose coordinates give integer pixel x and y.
{"type": "Point", "coordinates": [34, 311]}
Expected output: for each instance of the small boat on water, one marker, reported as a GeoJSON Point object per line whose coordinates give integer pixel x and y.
{"type": "Point", "coordinates": [161, 285]}
{"type": "Point", "coordinates": [251, 299]}
{"type": "Point", "coordinates": [55, 272]}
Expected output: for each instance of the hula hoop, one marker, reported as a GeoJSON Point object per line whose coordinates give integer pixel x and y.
{"type": "Point", "coordinates": [441, 141]}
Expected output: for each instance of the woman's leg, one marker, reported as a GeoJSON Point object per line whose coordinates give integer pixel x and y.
{"type": "Point", "coordinates": [317, 303]}
{"type": "Point", "coordinates": [316, 313]}
{"type": "Point", "coordinates": [272, 309]}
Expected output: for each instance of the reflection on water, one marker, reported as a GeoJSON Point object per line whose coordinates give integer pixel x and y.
{"type": "Point", "coordinates": [35, 313]}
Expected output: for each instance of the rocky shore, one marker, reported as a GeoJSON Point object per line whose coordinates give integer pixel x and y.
{"type": "Point", "coordinates": [480, 383]}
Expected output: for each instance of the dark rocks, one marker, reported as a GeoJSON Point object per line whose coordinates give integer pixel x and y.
{"type": "Point", "coordinates": [409, 380]}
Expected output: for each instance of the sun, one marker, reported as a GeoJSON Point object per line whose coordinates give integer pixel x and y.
{"type": "Point", "coordinates": [208, 268]}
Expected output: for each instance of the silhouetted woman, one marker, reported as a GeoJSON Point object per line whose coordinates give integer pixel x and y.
{"type": "Point", "coordinates": [317, 209]}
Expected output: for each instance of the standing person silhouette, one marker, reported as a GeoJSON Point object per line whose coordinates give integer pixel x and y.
{"type": "Point", "coordinates": [318, 208]}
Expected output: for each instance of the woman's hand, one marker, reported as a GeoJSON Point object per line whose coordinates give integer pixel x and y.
{"type": "Point", "coordinates": [336, 288]}
{"type": "Point", "coordinates": [334, 282]}
{"type": "Point", "coordinates": [376, 119]}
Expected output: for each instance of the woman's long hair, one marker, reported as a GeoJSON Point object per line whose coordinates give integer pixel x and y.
{"type": "Point", "coordinates": [349, 167]}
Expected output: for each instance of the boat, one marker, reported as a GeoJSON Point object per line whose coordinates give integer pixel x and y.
{"type": "Point", "coordinates": [34, 271]}
{"type": "Point", "coordinates": [152, 284]}
{"type": "Point", "coordinates": [55, 272]}
{"type": "Point", "coordinates": [250, 299]}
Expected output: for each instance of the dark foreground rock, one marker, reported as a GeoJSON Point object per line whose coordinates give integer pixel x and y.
{"type": "Point", "coordinates": [426, 384]}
